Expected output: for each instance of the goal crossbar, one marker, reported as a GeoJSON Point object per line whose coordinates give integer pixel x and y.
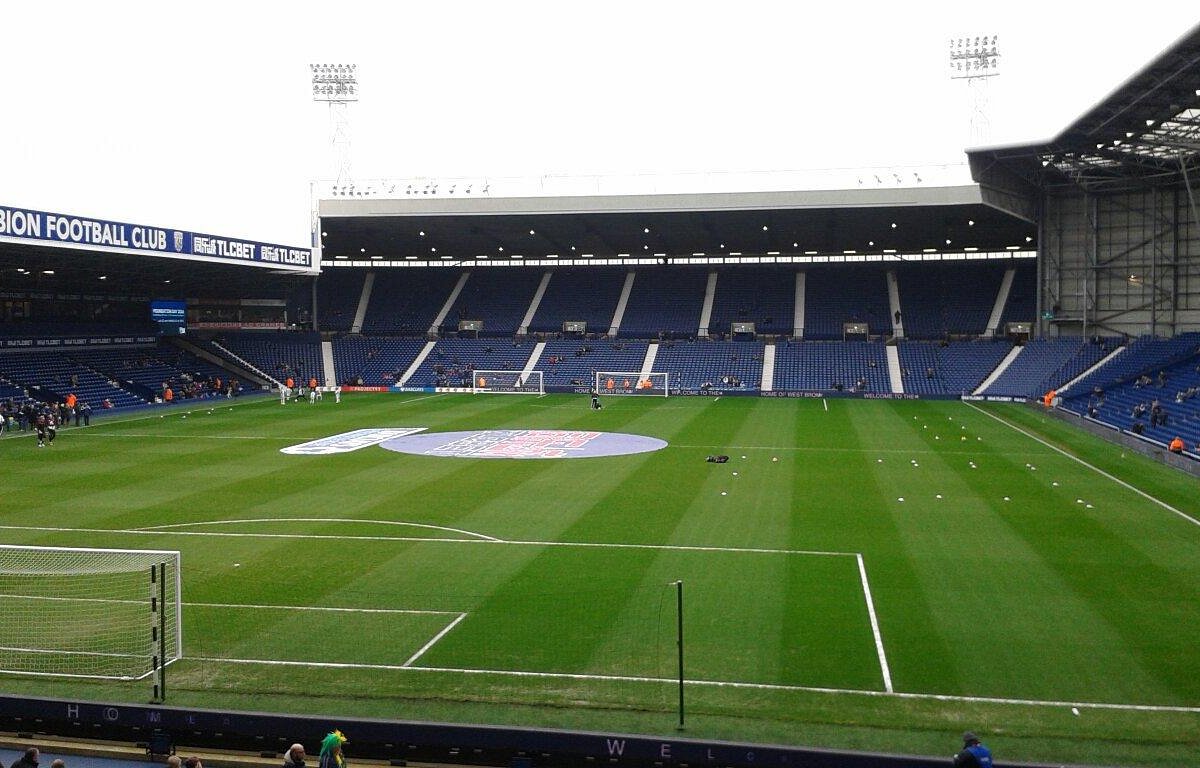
{"type": "Point", "coordinates": [508, 382]}
{"type": "Point", "coordinates": [654, 384]}
{"type": "Point", "coordinates": [111, 614]}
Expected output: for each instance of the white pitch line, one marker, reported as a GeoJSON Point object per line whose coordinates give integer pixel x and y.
{"type": "Point", "coordinates": [883, 664]}
{"type": "Point", "coordinates": [436, 637]}
{"type": "Point", "coordinates": [1092, 467]}
{"type": "Point", "coordinates": [712, 684]}
{"type": "Point", "coordinates": [825, 403]}
{"type": "Point", "coordinates": [318, 520]}
{"type": "Point", "coordinates": [423, 539]}
{"type": "Point", "coordinates": [313, 608]}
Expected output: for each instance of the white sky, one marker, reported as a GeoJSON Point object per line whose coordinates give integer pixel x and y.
{"type": "Point", "coordinates": [199, 116]}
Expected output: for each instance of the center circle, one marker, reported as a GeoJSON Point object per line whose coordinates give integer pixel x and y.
{"type": "Point", "coordinates": [524, 444]}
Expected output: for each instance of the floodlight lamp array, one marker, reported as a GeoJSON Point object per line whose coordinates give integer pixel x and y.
{"type": "Point", "coordinates": [972, 57]}
{"type": "Point", "coordinates": [334, 82]}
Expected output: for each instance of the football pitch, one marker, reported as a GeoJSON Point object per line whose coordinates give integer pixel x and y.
{"type": "Point", "coordinates": [860, 574]}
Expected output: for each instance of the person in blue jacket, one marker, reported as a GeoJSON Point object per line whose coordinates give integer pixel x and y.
{"type": "Point", "coordinates": [973, 753]}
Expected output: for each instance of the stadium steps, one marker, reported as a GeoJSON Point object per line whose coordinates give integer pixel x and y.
{"type": "Point", "coordinates": [364, 300]}
{"type": "Point", "coordinates": [266, 378]}
{"type": "Point", "coordinates": [798, 317]}
{"type": "Point", "coordinates": [533, 306]}
{"type": "Point", "coordinates": [622, 302]}
{"type": "Point", "coordinates": [993, 324]}
{"type": "Point", "coordinates": [1093, 368]}
{"type": "Point", "coordinates": [425, 350]}
{"type": "Point", "coordinates": [893, 289]}
{"type": "Point", "coordinates": [648, 363]}
{"type": "Point", "coordinates": [895, 374]}
{"type": "Point", "coordinates": [538, 349]}
{"type": "Point", "coordinates": [710, 293]}
{"type": "Point", "coordinates": [329, 374]}
{"type": "Point", "coordinates": [441, 315]}
{"type": "Point", "coordinates": [999, 370]}
{"type": "Point", "coordinates": [768, 369]}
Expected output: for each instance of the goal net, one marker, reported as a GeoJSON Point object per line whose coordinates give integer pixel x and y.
{"type": "Point", "coordinates": [96, 613]}
{"type": "Point", "coordinates": [508, 382]}
{"type": "Point", "coordinates": [632, 383]}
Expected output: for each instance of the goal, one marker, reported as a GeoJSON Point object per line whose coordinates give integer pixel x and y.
{"type": "Point", "coordinates": [508, 382]}
{"type": "Point", "coordinates": [632, 383]}
{"type": "Point", "coordinates": [112, 614]}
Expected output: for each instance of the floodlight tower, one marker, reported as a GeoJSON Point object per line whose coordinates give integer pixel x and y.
{"type": "Point", "coordinates": [976, 60]}
{"type": "Point", "coordinates": [337, 85]}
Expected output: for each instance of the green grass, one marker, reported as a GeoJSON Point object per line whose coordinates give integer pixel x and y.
{"type": "Point", "coordinates": [995, 615]}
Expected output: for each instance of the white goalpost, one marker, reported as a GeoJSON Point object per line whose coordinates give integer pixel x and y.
{"type": "Point", "coordinates": [110, 614]}
{"type": "Point", "coordinates": [508, 383]}
{"type": "Point", "coordinates": [654, 384]}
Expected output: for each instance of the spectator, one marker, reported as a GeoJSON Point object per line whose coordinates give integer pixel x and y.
{"type": "Point", "coordinates": [174, 761]}
{"type": "Point", "coordinates": [28, 760]}
{"type": "Point", "coordinates": [294, 757]}
{"type": "Point", "coordinates": [193, 762]}
{"type": "Point", "coordinates": [331, 750]}
{"type": "Point", "coordinates": [58, 763]}
{"type": "Point", "coordinates": [1176, 445]}
{"type": "Point", "coordinates": [973, 753]}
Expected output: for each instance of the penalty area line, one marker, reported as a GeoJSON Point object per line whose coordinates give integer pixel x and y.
{"type": "Point", "coordinates": [709, 684]}
{"type": "Point", "coordinates": [1092, 467]}
{"type": "Point", "coordinates": [433, 640]}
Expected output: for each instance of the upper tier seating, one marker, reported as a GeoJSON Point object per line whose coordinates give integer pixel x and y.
{"type": "Point", "coordinates": [1021, 306]}
{"type": "Point", "coordinates": [589, 295]}
{"type": "Point", "coordinates": [845, 293]}
{"type": "Point", "coordinates": [338, 292]}
{"type": "Point", "coordinates": [665, 301]}
{"type": "Point", "coordinates": [499, 297]}
{"type": "Point", "coordinates": [939, 299]}
{"type": "Point", "coordinates": [405, 302]}
{"type": "Point", "coordinates": [765, 297]}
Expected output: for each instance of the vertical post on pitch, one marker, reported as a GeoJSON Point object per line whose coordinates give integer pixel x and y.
{"type": "Point", "coordinates": [679, 636]}
{"type": "Point", "coordinates": [162, 631]}
{"type": "Point", "coordinates": [155, 635]}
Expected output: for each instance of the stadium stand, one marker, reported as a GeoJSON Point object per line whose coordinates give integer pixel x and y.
{"type": "Point", "coordinates": [277, 354]}
{"type": "Point", "coordinates": [338, 292]}
{"type": "Point", "coordinates": [837, 295]}
{"type": "Point", "coordinates": [405, 302]}
{"type": "Point", "coordinates": [373, 360]}
{"type": "Point", "coordinates": [1044, 364]}
{"type": "Point", "coordinates": [565, 362]}
{"type": "Point", "coordinates": [498, 297]}
{"type": "Point", "coordinates": [702, 365]}
{"type": "Point", "coordinates": [51, 376]}
{"type": "Point", "coordinates": [665, 303]}
{"type": "Point", "coordinates": [1146, 354]}
{"type": "Point", "coordinates": [579, 294]}
{"type": "Point", "coordinates": [765, 297]}
{"type": "Point", "coordinates": [831, 366]}
{"type": "Point", "coordinates": [951, 298]}
{"type": "Point", "coordinates": [451, 361]}
{"type": "Point", "coordinates": [1021, 306]}
{"type": "Point", "coordinates": [948, 368]}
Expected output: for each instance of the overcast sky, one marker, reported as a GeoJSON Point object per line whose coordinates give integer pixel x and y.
{"type": "Point", "coordinates": [199, 115]}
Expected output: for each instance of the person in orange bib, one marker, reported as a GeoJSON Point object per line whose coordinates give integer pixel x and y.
{"type": "Point", "coordinates": [1176, 445]}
